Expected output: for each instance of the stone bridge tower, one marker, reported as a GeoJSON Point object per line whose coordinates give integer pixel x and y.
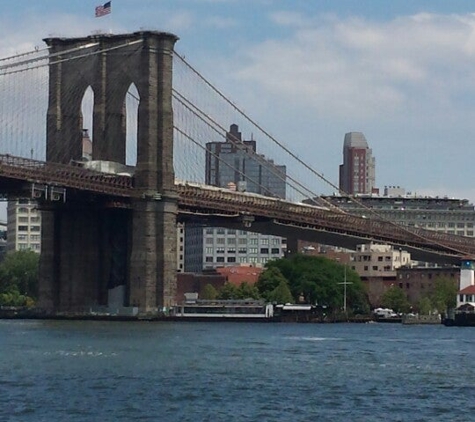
{"type": "Point", "coordinates": [89, 248]}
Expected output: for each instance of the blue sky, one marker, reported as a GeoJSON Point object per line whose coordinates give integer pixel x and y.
{"type": "Point", "coordinates": [402, 72]}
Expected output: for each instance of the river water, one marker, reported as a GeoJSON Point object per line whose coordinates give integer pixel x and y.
{"type": "Point", "coordinates": [180, 371]}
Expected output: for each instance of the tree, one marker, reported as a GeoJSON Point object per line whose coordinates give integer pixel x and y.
{"type": "Point", "coordinates": [281, 294]}
{"type": "Point", "coordinates": [425, 306]}
{"type": "Point", "coordinates": [395, 299]}
{"type": "Point", "coordinates": [317, 279]}
{"type": "Point", "coordinates": [268, 281]}
{"type": "Point", "coordinates": [444, 295]}
{"type": "Point", "coordinates": [248, 291]}
{"type": "Point", "coordinates": [19, 278]}
{"type": "Point", "coordinates": [209, 292]}
{"type": "Point", "coordinates": [228, 291]}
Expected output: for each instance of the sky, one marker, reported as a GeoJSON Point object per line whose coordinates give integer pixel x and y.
{"type": "Point", "coordinates": [309, 71]}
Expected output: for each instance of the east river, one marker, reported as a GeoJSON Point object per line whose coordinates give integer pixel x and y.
{"type": "Point", "coordinates": [168, 371]}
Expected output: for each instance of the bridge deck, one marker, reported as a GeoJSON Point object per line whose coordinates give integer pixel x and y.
{"type": "Point", "coordinates": [194, 198]}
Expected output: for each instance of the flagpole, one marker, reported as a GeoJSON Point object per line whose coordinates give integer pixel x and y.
{"type": "Point", "coordinates": [345, 283]}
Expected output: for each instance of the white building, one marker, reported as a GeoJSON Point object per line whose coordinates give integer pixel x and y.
{"type": "Point", "coordinates": [376, 260]}
{"type": "Point", "coordinates": [23, 226]}
{"type": "Point", "coordinates": [466, 293]}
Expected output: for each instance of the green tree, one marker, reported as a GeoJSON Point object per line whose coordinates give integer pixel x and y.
{"type": "Point", "coordinates": [248, 291]}
{"type": "Point", "coordinates": [317, 278]}
{"type": "Point", "coordinates": [268, 280]}
{"type": "Point", "coordinates": [444, 295]}
{"type": "Point", "coordinates": [425, 306]}
{"type": "Point", "coordinates": [19, 278]}
{"type": "Point", "coordinates": [14, 298]}
{"type": "Point", "coordinates": [228, 291]}
{"type": "Point", "coordinates": [281, 294]}
{"type": "Point", "coordinates": [395, 299]}
{"type": "Point", "coordinates": [209, 292]}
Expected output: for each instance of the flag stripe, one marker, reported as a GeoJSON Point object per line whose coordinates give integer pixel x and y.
{"type": "Point", "coordinates": [103, 10]}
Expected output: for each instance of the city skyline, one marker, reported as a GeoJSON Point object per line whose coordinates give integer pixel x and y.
{"type": "Point", "coordinates": [310, 73]}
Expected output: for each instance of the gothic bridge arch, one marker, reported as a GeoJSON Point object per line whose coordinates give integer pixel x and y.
{"type": "Point", "coordinates": [77, 264]}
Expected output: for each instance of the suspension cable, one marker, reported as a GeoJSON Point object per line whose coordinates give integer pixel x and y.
{"type": "Point", "coordinates": [92, 53]}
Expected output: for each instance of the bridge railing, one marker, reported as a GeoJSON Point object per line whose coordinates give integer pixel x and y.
{"type": "Point", "coordinates": [56, 174]}
{"type": "Point", "coordinates": [222, 201]}
{"type": "Point", "coordinates": [211, 200]}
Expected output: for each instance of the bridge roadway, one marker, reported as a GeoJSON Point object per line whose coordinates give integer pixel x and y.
{"type": "Point", "coordinates": [222, 207]}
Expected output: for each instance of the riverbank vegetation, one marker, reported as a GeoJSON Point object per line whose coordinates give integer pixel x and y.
{"type": "Point", "coordinates": [19, 279]}
{"type": "Point", "coordinates": [304, 279]}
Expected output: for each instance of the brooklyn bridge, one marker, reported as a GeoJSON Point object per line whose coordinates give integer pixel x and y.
{"type": "Point", "coordinates": [98, 226]}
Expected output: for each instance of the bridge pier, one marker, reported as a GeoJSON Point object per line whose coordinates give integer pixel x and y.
{"type": "Point", "coordinates": [80, 261]}
{"type": "Point", "coordinates": [153, 259]}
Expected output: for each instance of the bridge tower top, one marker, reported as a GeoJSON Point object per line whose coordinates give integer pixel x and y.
{"type": "Point", "coordinates": [110, 64]}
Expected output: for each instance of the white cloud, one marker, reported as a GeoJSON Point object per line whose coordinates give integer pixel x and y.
{"type": "Point", "coordinates": [380, 66]}
{"type": "Point", "coordinates": [180, 21]}
{"type": "Point", "coordinates": [291, 19]}
{"type": "Point", "coordinates": [220, 22]}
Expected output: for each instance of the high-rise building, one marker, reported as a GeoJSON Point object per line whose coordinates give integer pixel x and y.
{"type": "Point", "coordinates": [235, 164]}
{"type": "Point", "coordinates": [357, 173]}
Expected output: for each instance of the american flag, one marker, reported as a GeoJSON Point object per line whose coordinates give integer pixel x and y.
{"type": "Point", "coordinates": [103, 10]}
